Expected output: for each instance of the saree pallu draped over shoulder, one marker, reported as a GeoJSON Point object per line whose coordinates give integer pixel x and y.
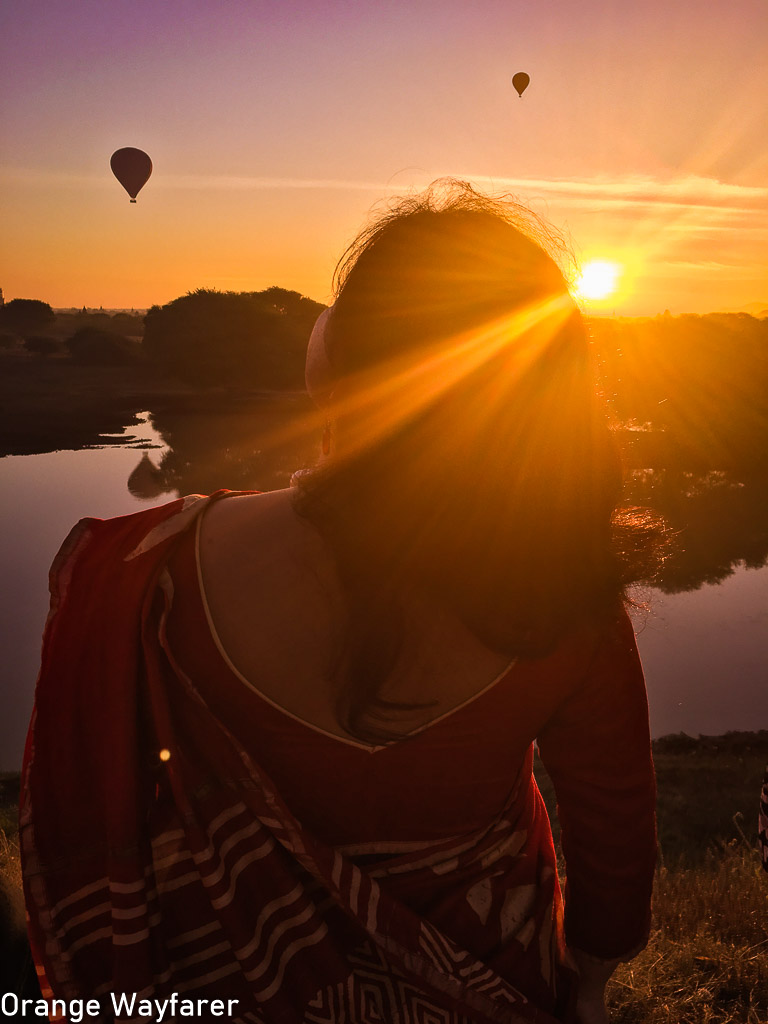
{"type": "Point", "coordinates": [158, 857]}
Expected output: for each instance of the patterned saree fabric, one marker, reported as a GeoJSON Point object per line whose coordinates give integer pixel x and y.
{"type": "Point", "coordinates": [159, 857]}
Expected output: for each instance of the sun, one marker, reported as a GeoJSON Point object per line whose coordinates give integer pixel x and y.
{"type": "Point", "coordinates": [598, 279]}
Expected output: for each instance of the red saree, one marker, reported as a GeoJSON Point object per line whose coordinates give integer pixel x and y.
{"type": "Point", "coordinates": [159, 858]}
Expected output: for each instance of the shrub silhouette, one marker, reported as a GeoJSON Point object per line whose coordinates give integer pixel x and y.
{"type": "Point", "coordinates": [96, 347]}
{"type": "Point", "coordinates": [42, 345]}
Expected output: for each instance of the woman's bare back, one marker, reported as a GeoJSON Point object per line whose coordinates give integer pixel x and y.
{"type": "Point", "coordinates": [276, 607]}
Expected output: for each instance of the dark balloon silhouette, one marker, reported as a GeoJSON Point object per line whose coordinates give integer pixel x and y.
{"type": "Point", "coordinates": [132, 168]}
{"type": "Point", "coordinates": [520, 82]}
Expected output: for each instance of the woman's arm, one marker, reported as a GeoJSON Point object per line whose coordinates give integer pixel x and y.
{"type": "Point", "coordinates": [597, 751]}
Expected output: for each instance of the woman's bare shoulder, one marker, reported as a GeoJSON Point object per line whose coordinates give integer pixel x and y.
{"type": "Point", "coordinates": [263, 526]}
{"type": "Point", "coordinates": [262, 563]}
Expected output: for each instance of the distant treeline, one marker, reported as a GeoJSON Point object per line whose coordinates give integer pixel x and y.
{"type": "Point", "coordinates": [246, 339]}
{"type": "Point", "coordinates": [695, 388]}
{"type": "Point", "coordinates": [702, 380]}
{"type": "Point", "coordinates": [91, 338]}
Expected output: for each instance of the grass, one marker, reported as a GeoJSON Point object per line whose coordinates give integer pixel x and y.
{"type": "Point", "coordinates": [10, 879]}
{"type": "Point", "coordinates": [707, 959]}
{"type": "Point", "coordinates": [9, 802]}
{"type": "Point", "coordinates": [13, 957]}
{"type": "Point", "coordinates": [11, 909]}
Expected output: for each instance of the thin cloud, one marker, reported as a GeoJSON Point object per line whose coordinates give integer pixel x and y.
{"type": "Point", "coordinates": [690, 191]}
{"type": "Point", "coordinates": [246, 184]}
{"type": "Point", "coordinates": [709, 266]}
{"type": "Point", "coordinates": [46, 179]}
{"type": "Point", "coordinates": [704, 229]}
{"type": "Point", "coordinates": [216, 182]}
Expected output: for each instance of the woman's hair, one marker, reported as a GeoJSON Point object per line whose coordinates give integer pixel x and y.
{"type": "Point", "coordinates": [476, 466]}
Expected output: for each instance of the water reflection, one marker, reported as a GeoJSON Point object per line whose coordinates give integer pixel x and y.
{"type": "Point", "coordinates": [717, 515]}
{"type": "Point", "coordinates": [718, 518]}
{"type": "Point", "coordinates": [256, 447]}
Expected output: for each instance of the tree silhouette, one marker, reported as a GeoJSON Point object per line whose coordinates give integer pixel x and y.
{"type": "Point", "coordinates": [256, 339]}
{"type": "Point", "coordinates": [26, 316]}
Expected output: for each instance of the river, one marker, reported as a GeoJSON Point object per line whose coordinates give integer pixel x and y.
{"type": "Point", "coordinates": [705, 650]}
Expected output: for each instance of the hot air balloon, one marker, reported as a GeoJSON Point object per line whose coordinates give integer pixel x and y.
{"type": "Point", "coordinates": [520, 82]}
{"type": "Point", "coordinates": [132, 168]}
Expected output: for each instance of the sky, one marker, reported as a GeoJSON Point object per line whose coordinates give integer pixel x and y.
{"type": "Point", "coordinates": [276, 128]}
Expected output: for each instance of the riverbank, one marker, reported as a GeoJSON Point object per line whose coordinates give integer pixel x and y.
{"type": "Point", "coordinates": [52, 404]}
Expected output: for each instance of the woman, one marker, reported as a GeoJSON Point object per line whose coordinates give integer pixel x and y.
{"type": "Point", "coordinates": [282, 746]}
